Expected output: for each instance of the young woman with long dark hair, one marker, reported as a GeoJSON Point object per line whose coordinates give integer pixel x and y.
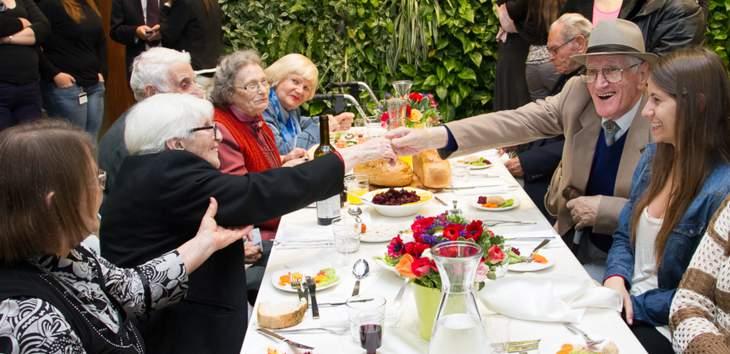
{"type": "Point", "coordinates": [678, 184]}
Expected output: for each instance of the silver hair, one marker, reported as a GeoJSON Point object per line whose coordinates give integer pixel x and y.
{"type": "Point", "coordinates": [151, 68]}
{"type": "Point", "coordinates": [574, 24]}
{"type": "Point", "coordinates": [224, 81]}
{"type": "Point", "coordinates": [159, 118]}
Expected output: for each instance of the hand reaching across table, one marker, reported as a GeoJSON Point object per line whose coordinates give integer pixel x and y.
{"type": "Point", "coordinates": [407, 141]}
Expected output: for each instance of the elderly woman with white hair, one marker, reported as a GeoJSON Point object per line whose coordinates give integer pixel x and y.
{"type": "Point", "coordinates": [162, 192]}
{"type": "Point", "coordinates": [294, 80]}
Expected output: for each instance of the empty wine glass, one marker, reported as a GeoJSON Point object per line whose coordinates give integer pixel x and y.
{"type": "Point", "coordinates": [402, 88]}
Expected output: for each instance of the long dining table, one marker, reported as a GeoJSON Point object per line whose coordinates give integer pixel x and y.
{"type": "Point", "coordinates": [293, 252]}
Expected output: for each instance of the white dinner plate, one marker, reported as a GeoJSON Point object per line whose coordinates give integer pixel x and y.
{"type": "Point", "coordinates": [515, 203]}
{"type": "Point", "coordinates": [532, 266]}
{"type": "Point", "coordinates": [465, 162]}
{"type": "Point", "coordinates": [305, 272]}
{"type": "Point", "coordinates": [552, 345]}
{"type": "Point", "coordinates": [378, 233]}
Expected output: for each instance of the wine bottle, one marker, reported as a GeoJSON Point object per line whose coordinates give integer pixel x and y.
{"type": "Point", "coordinates": [328, 210]}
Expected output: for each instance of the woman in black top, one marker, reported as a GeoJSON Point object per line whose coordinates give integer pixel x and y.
{"type": "Point", "coordinates": [193, 26]}
{"type": "Point", "coordinates": [72, 63]}
{"type": "Point", "coordinates": [22, 26]}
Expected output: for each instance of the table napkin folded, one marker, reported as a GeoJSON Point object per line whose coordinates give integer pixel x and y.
{"type": "Point", "coordinates": [547, 299]}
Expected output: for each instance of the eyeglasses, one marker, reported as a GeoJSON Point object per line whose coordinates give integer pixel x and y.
{"type": "Point", "coordinates": [101, 176]}
{"type": "Point", "coordinates": [255, 86]}
{"type": "Point", "coordinates": [554, 50]}
{"type": "Point", "coordinates": [216, 131]}
{"type": "Point", "coordinates": [612, 75]}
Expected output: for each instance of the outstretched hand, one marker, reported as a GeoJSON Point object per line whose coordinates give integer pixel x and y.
{"type": "Point", "coordinates": [407, 141]}
{"type": "Point", "coordinates": [219, 236]}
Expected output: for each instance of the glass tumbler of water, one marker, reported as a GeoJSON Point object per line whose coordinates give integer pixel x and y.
{"type": "Point", "coordinates": [346, 236]}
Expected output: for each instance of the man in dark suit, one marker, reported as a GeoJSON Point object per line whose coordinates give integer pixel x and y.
{"type": "Point", "coordinates": [568, 36]}
{"type": "Point", "coordinates": [136, 24]}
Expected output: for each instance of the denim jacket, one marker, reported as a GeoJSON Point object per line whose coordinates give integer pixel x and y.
{"type": "Point", "coordinates": [652, 307]}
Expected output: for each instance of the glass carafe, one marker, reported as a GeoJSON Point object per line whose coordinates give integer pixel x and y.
{"type": "Point", "coordinates": [458, 326]}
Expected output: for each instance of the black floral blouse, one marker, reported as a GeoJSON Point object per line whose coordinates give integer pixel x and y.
{"type": "Point", "coordinates": [33, 325]}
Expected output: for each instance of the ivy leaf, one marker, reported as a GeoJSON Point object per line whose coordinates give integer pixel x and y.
{"type": "Point", "coordinates": [467, 74]}
{"type": "Point", "coordinates": [441, 92]}
{"type": "Point", "coordinates": [408, 69]}
{"type": "Point", "coordinates": [455, 98]}
{"type": "Point", "coordinates": [431, 81]}
{"type": "Point", "coordinates": [451, 64]}
{"type": "Point", "coordinates": [441, 73]}
{"type": "Point", "coordinates": [476, 58]}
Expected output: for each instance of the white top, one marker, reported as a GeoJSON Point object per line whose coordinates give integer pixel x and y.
{"type": "Point", "coordinates": [624, 123]}
{"type": "Point", "coordinates": [645, 268]}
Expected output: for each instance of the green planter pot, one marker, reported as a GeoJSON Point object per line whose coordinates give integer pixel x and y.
{"type": "Point", "coordinates": [427, 302]}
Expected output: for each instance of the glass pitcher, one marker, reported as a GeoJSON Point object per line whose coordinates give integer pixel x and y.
{"type": "Point", "coordinates": [458, 326]}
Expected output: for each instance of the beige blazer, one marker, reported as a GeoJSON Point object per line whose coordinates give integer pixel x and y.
{"type": "Point", "coordinates": [570, 112]}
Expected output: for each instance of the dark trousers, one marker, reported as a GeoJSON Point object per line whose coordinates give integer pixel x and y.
{"type": "Point", "coordinates": [653, 341]}
{"type": "Point", "coordinates": [19, 103]}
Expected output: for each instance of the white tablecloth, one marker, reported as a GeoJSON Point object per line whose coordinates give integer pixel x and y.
{"type": "Point", "coordinates": [405, 339]}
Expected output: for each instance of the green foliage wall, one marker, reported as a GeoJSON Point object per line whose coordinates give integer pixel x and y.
{"type": "Point", "coordinates": [348, 40]}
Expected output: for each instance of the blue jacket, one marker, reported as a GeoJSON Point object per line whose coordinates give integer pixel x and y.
{"type": "Point", "coordinates": [291, 129]}
{"type": "Point", "coordinates": [652, 307]}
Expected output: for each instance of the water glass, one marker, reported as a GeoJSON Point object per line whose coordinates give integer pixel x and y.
{"type": "Point", "coordinates": [366, 321]}
{"type": "Point", "coordinates": [396, 112]}
{"type": "Point", "coordinates": [356, 185]}
{"type": "Point", "coordinates": [346, 235]}
{"type": "Point", "coordinates": [459, 176]}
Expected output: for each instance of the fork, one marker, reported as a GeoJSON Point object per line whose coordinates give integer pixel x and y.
{"type": "Point", "coordinates": [297, 284]}
{"type": "Point", "coordinates": [591, 343]}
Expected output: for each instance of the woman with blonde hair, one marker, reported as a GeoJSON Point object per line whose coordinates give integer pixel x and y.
{"type": "Point", "coordinates": [678, 184]}
{"type": "Point", "coordinates": [57, 293]}
{"type": "Point", "coordinates": [294, 80]}
{"type": "Point", "coordinates": [72, 63]}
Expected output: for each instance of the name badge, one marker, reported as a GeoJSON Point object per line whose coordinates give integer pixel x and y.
{"type": "Point", "coordinates": [82, 98]}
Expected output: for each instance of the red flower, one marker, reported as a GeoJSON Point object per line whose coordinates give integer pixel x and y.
{"type": "Point", "coordinates": [422, 266]}
{"type": "Point", "coordinates": [495, 255]}
{"type": "Point", "coordinates": [421, 225]}
{"type": "Point", "coordinates": [408, 111]}
{"type": "Point", "coordinates": [415, 97]}
{"type": "Point", "coordinates": [474, 230]}
{"type": "Point", "coordinates": [415, 249]}
{"type": "Point", "coordinates": [452, 231]}
{"type": "Point", "coordinates": [395, 247]}
{"type": "Point", "coordinates": [384, 119]}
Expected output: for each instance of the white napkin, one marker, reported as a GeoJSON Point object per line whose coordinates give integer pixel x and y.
{"type": "Point", "coordinates": [547, 299]}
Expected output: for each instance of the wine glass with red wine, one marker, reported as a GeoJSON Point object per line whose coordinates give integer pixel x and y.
{"type": "Point", "coordinates": [367, 314]}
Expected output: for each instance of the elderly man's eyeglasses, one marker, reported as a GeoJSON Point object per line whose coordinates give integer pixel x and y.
{"type": "Point", "coordinates": [101, 176]}
{"type": "Point", "coordinates": [554, 50]}
{"type": "Point", "coordinates": [213, 126]}
{"type": "Point", "coordinates": [612, 75]}
{"type": "Point", "coordinates": [255, 86]}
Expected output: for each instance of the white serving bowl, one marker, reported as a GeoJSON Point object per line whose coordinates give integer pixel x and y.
{"type": "Point", "coordinates": [398, 210]}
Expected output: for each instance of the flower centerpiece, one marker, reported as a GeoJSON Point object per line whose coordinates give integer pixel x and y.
{"type": "Point", "coordinates": [421, 111]}
{"type": "Point", "coordinates": [413, 260]}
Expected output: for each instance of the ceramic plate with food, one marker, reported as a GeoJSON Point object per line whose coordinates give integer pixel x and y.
{"type": "Point", "coordinates": [324, 278]}
{"type": "Point", "coordinates": [378, 233]}
{"type": "Point", "coordinates": [521, 261]}
{"type": "Point", "coordinates": [497, 202]}
{"type": "Point", "coordinates": [476, 162]}
{"type": "Point", "coordinates": [573, 344]}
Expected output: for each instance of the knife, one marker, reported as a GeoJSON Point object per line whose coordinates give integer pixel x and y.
{"type": "Point", "coordinates": [272, 334]}
{"type": "Point", "coordinates": [326, 304]}
{"type": "Point", "coordinates": [312, 294]}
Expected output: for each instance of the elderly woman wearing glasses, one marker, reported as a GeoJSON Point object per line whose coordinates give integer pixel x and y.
{"type": "Point", "coordinates": [294, 79]}
{"type": "Point", "coordinates": [57, 293]}
{"type": "Point", "coordinates": [163, 191]}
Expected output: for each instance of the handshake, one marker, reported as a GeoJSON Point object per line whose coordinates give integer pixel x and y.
{"type": "Point", "coordinates": [401, 141]}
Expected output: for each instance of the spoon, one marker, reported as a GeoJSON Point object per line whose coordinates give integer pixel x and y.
{"type": "Point", "coordinates": [355, 212]}
{"type": "Point", "coordinates": [360, 270]}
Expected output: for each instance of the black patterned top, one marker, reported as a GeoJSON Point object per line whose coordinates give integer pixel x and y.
{"type": "Point", "coordinates": [34, 325]}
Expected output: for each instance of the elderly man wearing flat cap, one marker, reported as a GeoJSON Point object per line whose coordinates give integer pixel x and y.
{"type": "Point", "coordinates": [599, 114]}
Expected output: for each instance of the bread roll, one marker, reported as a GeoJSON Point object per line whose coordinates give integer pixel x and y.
{"type": "Point", "coordinates": [432, 171]}
{"type": "Point", "coordinates": [281, 315]}
{"type": "Point", "coordinates": [381, 173]}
